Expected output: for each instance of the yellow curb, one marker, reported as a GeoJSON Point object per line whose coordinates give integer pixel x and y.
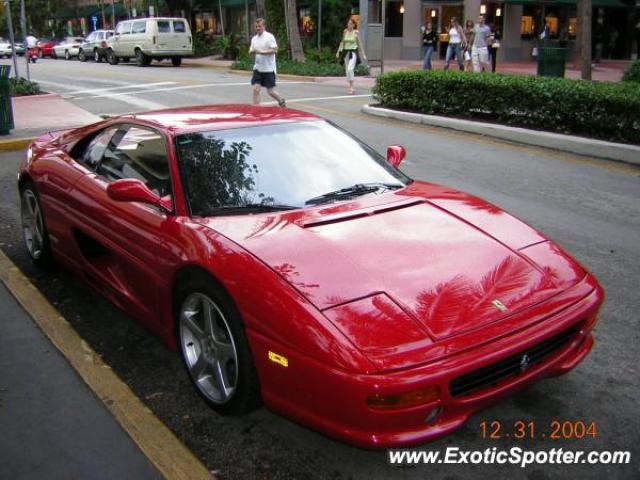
{"type": "Point", "coordinates": [12, 144]}
{"type": "Point", "coordinates": [157, 442]}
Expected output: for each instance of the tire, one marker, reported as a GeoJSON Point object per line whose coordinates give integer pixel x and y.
{"type": "Point", "coordinates": [112, 58]}
{"type": "Point", "coordinates": [217, 357]}
{"type": "Point", "coordinates": [82, 56]}
{"type": "Point", "coordinates": [40, 54]}
{"type": "Point", "coordinates": [176, 61]}
{"type": "Point", "coordinates": [34, 229]}
{"type": "Point", "coordinates": [141, 59]}
{"type": "Point", "coordinates": [67, 55]}
{"type": "Point", "coordinates": [96, 56]}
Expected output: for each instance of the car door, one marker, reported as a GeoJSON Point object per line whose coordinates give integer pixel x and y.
{"type": "Point", "coordinates": [120, 40]}
{"type": "Point", "coordinates": [120, 243]}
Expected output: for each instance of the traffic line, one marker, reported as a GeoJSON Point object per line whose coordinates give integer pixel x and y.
{"type": "Point", "coordinates": [182, 87]}
{"type": "Point", "coordinates": [172, 459]}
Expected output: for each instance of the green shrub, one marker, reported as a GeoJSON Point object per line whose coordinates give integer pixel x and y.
{"type": "Point", "coordinates": [308, 68]}
{"type": "Point", "coordinates": [22, 87]}
{"type": "Point", "coordinates": [609, 111]}
{"type": "Point", "coordinates": [229, 45]}
{"type": "Point", "coordinates": [633, 73]}
{"type": "Point", "coordinates": [323, 55]}
{"type": "Point", "coordinates": [202, 45]}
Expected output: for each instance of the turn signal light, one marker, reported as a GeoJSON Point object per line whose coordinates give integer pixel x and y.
{"type": "Point", "coordinates": [414, 398]}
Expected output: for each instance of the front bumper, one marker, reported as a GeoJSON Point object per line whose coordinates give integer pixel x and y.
{"type": "Point", "coordinates": [335, 401]}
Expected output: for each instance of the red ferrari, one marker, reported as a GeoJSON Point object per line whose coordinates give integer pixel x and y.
{"type": "Point", "coordinates": [290, 263]}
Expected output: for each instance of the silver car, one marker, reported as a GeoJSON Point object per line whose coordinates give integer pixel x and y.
{"type": "Point", "coordinates": [95, 46]}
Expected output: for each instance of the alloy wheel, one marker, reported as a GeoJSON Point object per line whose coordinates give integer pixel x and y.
{"type": "Point", "coordinates": [32, 224]}
{"type": "Point", "coordinates": [208, 348]}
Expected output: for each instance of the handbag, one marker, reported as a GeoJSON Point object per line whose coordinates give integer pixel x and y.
{"type": "Point", "coordinates": [534, 52]}
{"type": "Point", "coordinates": [467, 55]}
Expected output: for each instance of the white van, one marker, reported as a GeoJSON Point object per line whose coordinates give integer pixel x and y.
{"type": "Point", "coordinates": [146, 39]}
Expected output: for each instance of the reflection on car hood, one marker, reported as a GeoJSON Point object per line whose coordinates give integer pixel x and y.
{"type": "Point", "coordinates": [452, 261]}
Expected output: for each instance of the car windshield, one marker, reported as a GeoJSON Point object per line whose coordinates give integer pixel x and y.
{"type": "Point", "coordinates": [278, 167]}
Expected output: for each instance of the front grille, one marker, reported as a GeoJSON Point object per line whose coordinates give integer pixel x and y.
{"type": "Point", "coordinates": [493, 374]}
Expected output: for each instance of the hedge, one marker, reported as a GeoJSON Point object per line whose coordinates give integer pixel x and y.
{"type": "Point", "coordinates": [22, 87]}
{"type": "Point", "coordinates": [308, 68]}
{"type": "Point", "coordinates": [632, 74]}
{"type": "Point", "coordinates": [609, 111]}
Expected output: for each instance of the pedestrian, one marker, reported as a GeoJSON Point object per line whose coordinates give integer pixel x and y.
{"type": "Point", "coordinates": [468, 36]}
{"type": "Point", "coordinates": [264, 48]}
{"type": "Point", "coordinates": [350, 47]}
{"type": "Point", "coordinates": [429, 42]}
{"type": "Point", "coordinates": [457, 43]}
{"type": "Point", "coordinates": [480, 46]}
{"type": "Point", "coordinates": [496, 36]}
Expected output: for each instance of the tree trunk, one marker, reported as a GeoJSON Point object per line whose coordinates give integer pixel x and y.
{"type": "Point", "coordinates": [294, 31]}
{"type": "Point", "coordinates": [260, 9]}
{"type": "Point", "coordinates": [584, 18]}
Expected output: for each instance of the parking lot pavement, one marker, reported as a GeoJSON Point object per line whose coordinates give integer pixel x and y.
{"type": "Point", "coordinates": [52, 425]}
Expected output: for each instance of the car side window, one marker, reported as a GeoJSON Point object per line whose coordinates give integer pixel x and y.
{"type": "Point", "coordinates": [123, 28]}
{"type": "Point", "coordinates": [92, 155]}
{"type": "Point", "coordinates": [139, 27]}
{"type": "Point", "coordinates": [164, 26]}
{"type": "Point", "coordinates": [141, 153]}
{"type": "Point", "coordinates": [179, 27]}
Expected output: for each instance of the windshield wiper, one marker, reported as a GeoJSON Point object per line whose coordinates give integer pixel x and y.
{"type": "Point", "coordinates": [352, 191]}
{"type": "Point", "coordinates": [250, 208]}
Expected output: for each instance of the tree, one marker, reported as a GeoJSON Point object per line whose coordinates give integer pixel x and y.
{"type": "Point", "coordinates": [260, 9]}
{"type": "Point", "coordinates": [293, 30]}
{"type": "Point", "coordinates": [584, 40]}
{"type": "Point", "coordinates": [335, 14]}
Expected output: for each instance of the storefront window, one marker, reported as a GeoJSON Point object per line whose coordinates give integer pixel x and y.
{"type": "Point", "coordinates": [394, 14]}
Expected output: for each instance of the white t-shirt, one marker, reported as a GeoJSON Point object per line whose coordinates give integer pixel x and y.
{"type": "Point", "coordinates": [482, 33]}
{"type": "Point", "coordinates": [31, 41]}
{"type": "Point", "coordinates": [454, 35]}
{"type": "Point", "coordinates": [264, 63]}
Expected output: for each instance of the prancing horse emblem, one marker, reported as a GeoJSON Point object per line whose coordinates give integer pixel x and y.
{"type": "Point", "coordinates": [524, 362]}
{"type": "Point", "coordinates": [499, 305]}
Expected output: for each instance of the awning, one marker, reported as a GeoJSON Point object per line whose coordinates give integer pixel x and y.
{"type": "Point", "coordinates": [568, 3]}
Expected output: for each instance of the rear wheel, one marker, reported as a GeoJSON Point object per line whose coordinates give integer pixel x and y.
{"type": "Point", "coordinates": [67, 55]}
{"type": "Point", "coordinates": [34, 230]}
{"type": "Point", "coordinates": [141, 59]}
{"type": "Point", "coordinates": [82, 56]}
{"type": "Point", "coordinates": [214, 347]}
{"type": "Point", "coordinates": [96, 56]}
{"type": "Point", "coordinates": [176, 61]}
{"type": "Point", "coordinates": [112, 58]}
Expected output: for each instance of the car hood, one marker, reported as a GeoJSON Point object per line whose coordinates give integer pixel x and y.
{"type": "Point", "coordinates": [451, 261]}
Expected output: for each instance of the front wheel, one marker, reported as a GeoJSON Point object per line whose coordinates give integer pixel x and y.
{"type": "Point", "coordinates": [176, 61]}
{"type": "Point", "coordinates": [82, 56]}
{"type": "Point", "coordinates": [67, 55]}
{"type": "Point", "coordinates": [214, 347]}
{"type": "Point", "coordinates": [34, 230]}
{"type": "Point", "coordinates": [96, 56]}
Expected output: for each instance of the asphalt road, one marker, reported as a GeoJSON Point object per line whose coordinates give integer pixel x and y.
{"type": "Point", "coordinates": [590, 207]}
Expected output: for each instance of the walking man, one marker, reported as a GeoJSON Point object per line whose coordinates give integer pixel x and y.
{"type": "Point", "coordinates": [264, 48]}
{"type": "Point", "coordinates": [480, 46]}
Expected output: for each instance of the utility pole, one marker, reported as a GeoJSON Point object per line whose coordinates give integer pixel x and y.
{"type": "Point", "coordinates": [12, 39]}
{"type": "Point", "coordinates": [23, 26]}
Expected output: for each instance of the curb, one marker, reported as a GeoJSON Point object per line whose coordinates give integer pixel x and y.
{"type": "Point", "coordinates": [567, 143]}
{"type": "Point", "coordinates": [13, 144]}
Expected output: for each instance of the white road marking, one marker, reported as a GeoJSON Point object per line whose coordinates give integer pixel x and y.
{"type": "Point", "coordinates": [183, 87]}
{"type": "Point", "coordinates": [317, 99]}
{"type": "Point", "coordinates": [123, 87]}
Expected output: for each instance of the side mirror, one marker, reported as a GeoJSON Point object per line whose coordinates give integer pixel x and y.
{"type": "Point", "coordinates": [133, 190]}
{"type": "Point", "coordinates": [395, 154]}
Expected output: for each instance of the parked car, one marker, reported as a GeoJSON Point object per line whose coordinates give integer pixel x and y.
{"type": "Point", "coordinates": [95, 46]}
{"type": "Point", "coordinates": [45, 47]}
{"type": "Point", "coordinates": [151, 39]}
{"type": "Point", "coordinates": [288, 261]}
{"type": "Point", "coordinates": [68, 48]}
{"type": "Point", "coordinates": [6, 51]}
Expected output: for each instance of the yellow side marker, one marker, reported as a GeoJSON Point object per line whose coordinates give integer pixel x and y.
{"type": "Point", "coordinates": [157, 442]}
{"type": "Point", "coordinates": [274, 357]}
{"type": "Point", "coordinates": [11, 144]}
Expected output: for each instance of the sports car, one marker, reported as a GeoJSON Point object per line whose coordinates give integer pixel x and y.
{"type": "Point", "coordinates": [291, 264]}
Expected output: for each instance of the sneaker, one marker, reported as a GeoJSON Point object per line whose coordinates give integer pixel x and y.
{"type": "Point", "coordinates": [282, 103]}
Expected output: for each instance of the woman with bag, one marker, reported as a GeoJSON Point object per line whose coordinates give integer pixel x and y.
{"type": "Point", "coordinates": [468, 35]}
{"type": "Point", "coordinates": [457, 43]}
{"type": "Point", "coordinates": [350, 47]}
